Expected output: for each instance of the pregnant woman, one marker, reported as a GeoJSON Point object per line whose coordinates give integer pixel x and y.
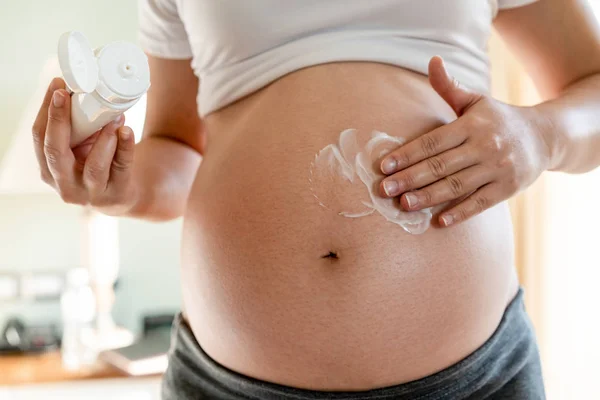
{"type": "Point", "coordinates": [342, 172]}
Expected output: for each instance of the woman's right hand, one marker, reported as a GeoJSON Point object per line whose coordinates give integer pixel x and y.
{"type": "Point", "coordinates": [97, 172]}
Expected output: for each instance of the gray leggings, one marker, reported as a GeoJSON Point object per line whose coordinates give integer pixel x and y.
{"type": "Point", "coordinates": [507, 366]}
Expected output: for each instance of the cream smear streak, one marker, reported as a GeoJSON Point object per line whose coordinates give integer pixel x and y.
{"type": "Point", "coordinates": [360, 166]}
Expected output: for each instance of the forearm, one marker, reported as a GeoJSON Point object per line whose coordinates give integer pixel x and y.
{"type": "Point", "coordinates": [570, 125]}
{"type": "Point", "coordinates": [164, 170]}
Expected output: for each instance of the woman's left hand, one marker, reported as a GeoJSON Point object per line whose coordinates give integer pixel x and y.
{"type": "Point", "coordinates": [487, 155]}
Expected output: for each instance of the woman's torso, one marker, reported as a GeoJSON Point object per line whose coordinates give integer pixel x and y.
{"type": "Point", "coordinates": [392, 307]}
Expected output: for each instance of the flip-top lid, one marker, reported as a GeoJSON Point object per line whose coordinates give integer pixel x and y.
{"type": "Point", "coordinates": [77, 62]}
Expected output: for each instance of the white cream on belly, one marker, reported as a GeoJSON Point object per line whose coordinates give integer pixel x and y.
{"type": "Point", "coordinates": [346, 160]}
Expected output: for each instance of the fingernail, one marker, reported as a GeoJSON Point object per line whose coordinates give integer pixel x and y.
{"type": "Point", "coordinates": [118, 120]}
{"type": "Point", "coordinates": [389, 166]}
{"type": "Point", "coordinates": [448, 220]}
{"type": "Point", "coordinates": [411, 199]}
{"type": "Point", "coordinates": [58, 99]}
{"type": "Point", "coordinates": [125, 133]}
{"type": "Point", "coordinates": [390, 188]}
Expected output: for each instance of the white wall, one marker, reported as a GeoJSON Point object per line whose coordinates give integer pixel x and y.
{"type": "Point", "coordinates": [149, 279]}
{"type": "Point", "coordinates": [38, 231]}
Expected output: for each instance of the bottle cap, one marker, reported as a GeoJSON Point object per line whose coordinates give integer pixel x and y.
{"type": "Point", "coordinates": [123, 70]}
{"type": "Point", "coordinates": [77, 62]}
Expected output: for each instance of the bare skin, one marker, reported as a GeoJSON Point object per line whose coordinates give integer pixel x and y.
{"type": "Point", "coordinates": [273, 306]}
{"type": "Point", "coordinates": [275, 286]}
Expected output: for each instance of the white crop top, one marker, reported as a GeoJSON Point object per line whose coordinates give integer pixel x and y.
{"type": "Point", "coordinates": [240, 46]}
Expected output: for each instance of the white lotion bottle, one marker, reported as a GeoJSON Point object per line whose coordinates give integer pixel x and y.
{"type": "Point", "coordinates": [103, 83]}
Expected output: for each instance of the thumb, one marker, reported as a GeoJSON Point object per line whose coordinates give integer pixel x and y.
{"type": "Point", "coordinates": [122, 163]}
{"type": "Point", "coordinates": [457, 96]}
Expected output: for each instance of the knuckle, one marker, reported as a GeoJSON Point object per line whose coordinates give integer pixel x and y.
{"type": "Point", "coordinates": [406, 181]}
{"type": "Point", "coordinates": [53, 154]}
{"type": "Point", "coordinates": [94, 173]}
{"type": "Point", "coordinates": [426, 196]}
{"type": "Point", "coordinates": [402, 159]}
{"type": "Point", "coordinates": [55, 117]}
{"type": "Point", "coordinates": [503, 162]}
{"type": "Point", "coordinates": [495, 143]}
{"type": "Point", "coordinates": [508, 166]}
{"type": "Point", "coordinates": [437, 166]}
{"type": "Point", "coordinates": [462, 214]}
{"type": "Point", "coordinates": [455, 184]}
{"type": "Point", "coordinates": [429, 145]}
{"type": "Point", "coordinates": [36, 133]}
{"type": "Point", "coordinates": [477, 123]}
{"type": "Point", "coordinates": [481, 203]}
{"type": "Point", "coordinates": [120, 165]}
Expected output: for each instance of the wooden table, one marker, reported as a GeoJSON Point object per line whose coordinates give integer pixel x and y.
{"type": "Point", "coordinates": [47, 367]}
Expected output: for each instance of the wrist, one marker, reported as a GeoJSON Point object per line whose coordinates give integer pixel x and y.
{"type": "Point", "coordinates": [133, 200]}
{"type": "Point", "coordinates": [129, 201]}
{"type": "Point", "coordinates": [144, 205]}
{"type": "Point", "coordinates": [545, 128]}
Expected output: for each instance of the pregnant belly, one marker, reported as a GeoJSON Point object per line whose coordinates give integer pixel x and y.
{"type": "Point", "coordinates": [279, 286]}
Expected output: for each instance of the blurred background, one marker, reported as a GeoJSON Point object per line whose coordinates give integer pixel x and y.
{"type": "Point", "coordinates": [133, 266]}
{"type": "Point", "coordinates": [42, 239]}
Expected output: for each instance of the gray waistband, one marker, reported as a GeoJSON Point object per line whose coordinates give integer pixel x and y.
{"type": "Point", "coordinates": [509, 348]}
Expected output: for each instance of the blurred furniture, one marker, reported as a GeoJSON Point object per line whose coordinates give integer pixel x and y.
{"type": "Point", "coordinates": [147, 388]}
{"type": "Point", "coordinates": [47, 367]}
{"type": "Point", "coordinates": [40, 368]}
{"type": "Point", "coordinates": [19, 338]}
{"type": "Point", "coordinates": [148, 354]}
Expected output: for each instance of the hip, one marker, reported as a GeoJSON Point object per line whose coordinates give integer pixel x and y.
{"type": "Point", "coordinates": [507, 365]}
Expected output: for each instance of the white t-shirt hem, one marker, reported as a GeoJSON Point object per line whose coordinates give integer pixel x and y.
{"type": "Point", "coordinates": [504, 4]}
{"type": "Point", "coordinates": [174, 50]}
